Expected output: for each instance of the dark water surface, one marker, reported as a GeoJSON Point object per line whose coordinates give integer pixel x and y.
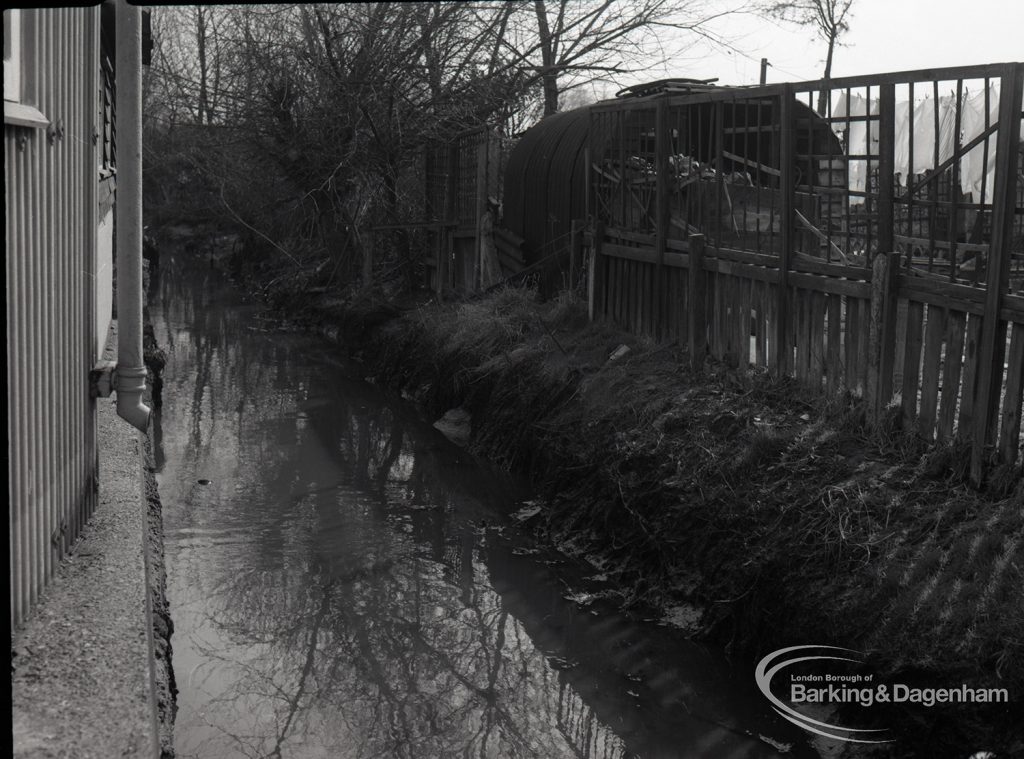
{"type": "Point", "coordinates": [346, 584]}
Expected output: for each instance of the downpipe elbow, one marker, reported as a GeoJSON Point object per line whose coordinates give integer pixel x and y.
{"type": "Point", "coordinates": [130, 384]}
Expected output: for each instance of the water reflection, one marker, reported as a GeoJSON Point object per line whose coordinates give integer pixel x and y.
{"type": "Point", "coordinates": [349, 585]}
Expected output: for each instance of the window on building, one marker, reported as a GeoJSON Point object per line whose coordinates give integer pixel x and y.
{"type": "Point", "coordinates": [12, 55]}
{"type": "Point", "coordinates": [108, 89]}
{"type": "Point", "coordinates": [17, 112]}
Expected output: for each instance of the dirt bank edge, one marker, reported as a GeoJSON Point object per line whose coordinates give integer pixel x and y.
{"type": "Point", "coordinates": [164, 683]}
{"type": "Point", "coordinates": [801, 527]}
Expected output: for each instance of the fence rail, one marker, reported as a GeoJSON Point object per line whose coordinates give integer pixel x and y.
{"type": "Point", "coordinates": [864, 235]}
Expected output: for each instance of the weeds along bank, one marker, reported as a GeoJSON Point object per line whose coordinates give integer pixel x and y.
{"type": "Point", "coordinates": [726, 498]}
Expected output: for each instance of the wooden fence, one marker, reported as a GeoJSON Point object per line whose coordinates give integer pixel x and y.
{"type": "Point", "coordinates": [863, 236]}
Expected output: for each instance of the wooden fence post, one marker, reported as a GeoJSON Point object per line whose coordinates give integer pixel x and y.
{"type": "Point", "coordinates": [662, 179]}
{"type": "Point", "coordinates": [482, 168]}
{"type": "Point", "coordinates": [993, 341]}
{"type": "Point", "coordinates": [787, 189]}
{"type": "Point", "coordinates": [697, 322]}
{"type": "Point", "coordinates": [886, 167]}
{"type": "Point", "coordinates": [451, 215]}
{"type": "Point", "coordinates": [575, 251]}
{"type": "Point", "coordinates": [444, 248]}
{"type": "Point", "coordinates": [597, 283]}
{"type": "Point", "coordinates": [881, 335]}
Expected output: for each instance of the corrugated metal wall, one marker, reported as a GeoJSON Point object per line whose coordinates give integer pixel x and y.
{"type": "Point", "coordinates": [51, 206]}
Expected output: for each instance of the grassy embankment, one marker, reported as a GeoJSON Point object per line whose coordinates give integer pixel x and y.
{"type": "Point", "coordinates": [779, 516]}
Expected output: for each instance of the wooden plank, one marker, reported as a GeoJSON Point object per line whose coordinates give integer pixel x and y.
{"type": "Point", "coordinates": [615, 285]}
{"type": "Point", "coordinates": [760, 346]}
{"type": "Point", "coordinates": [799, 311]}
{"type": "Point", "coordinates": [861, 363]}
{"type": "Point", "coordinates": [787, 150]}
{"type": "Point", "coordinates": [852, 323]}
{"type": "Point", "coordinates": [1010, 420]}
{"type": "Point", "coordinates": [953, 363]}
{"type": "Point", "coordinates": [926, 282]}
{"type": "Point", "coordinates": [648, 305]}
{"type": "Point", "coordinates": [805, 263]}
{"type": "Point", "coordinates": [821, 237]}
{"type": "Point", "coordinates": [881, 335]}
{"type": "Point", "coordinates": [969, 387]}
{"type": "Point", "coordinates": [741, 322]}
{"type": "Point", "coordinates": [912, 290]}
{"type": "Point", "coordinates": [674, 301]}
{"type": "Point", "coordinates": [956, 328]}
{"type": "Point", "coordinates": [714, 296]}
{"type": "Point", "coordinates": [1012, 308]}
{"type": "Point", "coordinates": [830, 285]}
{"type": "Point", "coordinates": [662, 140]}
{"type": "Point", "coordinates": [992, 346]}
{"type": "Point", "coordinates": [616, 234]}
{"type": "Point", "coordinates": [788, 348]}
{"type": "Point", "coordinates": [626, 294]}
{"type": "Point", "coordinates": [599, 276]}
{"type": "Point", "coordinates": [886, 166]}
{"type": "Point", "coordinates": [912, 361]}
{"type": "Point", "coordinates": [623, 293]}
{"type": "Point", "coordinates": [726, 324]}
{"type": "Point", "coordinates": [575, 251]}
{"type": "Point", "coordinates": [934, 334]}
{"type": "Point", "coordinates": [743, 256]}
{"type": "Point", "coordinates": [747, 162]}
{"type": "Point", "coordinates": [640, 308]}
{"type": "Point", "coordinates": [748, 309]}
{"type": "Point", "coordinates": [645, 306]}
{"type": "Point", "coordinates": [632, 298]}
{"type": "Point", "coordinates": [833, 357]}
{"type": "Point", "coordinates": [733, 268]}
{"type": "Point", "coordinates": [646, 255]}
{"type": "Point", "coordinates": [724, 283]}
{"type": "Point", "coordinates": [817, 343]}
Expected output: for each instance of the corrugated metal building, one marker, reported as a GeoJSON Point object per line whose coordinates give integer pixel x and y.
{"type": "Point", "coordinates": [58, 149]}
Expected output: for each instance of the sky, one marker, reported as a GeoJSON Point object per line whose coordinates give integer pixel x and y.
{"type": "Point", "coordinates": [885, 35]}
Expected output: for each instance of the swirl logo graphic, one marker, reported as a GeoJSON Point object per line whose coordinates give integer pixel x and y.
{"type": "Point", "coordinates": [778, 660]}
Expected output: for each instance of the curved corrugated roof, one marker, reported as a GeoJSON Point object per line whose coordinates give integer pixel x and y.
{"type": "Point", "coordinates": [544, 182]}
{"type": "Point", "coordinates": [545, 178]}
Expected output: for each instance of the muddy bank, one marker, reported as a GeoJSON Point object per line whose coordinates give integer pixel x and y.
{"type": "Point", "coordinates": [761, 514]}
{"type": "Point", "coordinates": [164, 686]}
{"type": "Point", "coordinates": [163, 670]}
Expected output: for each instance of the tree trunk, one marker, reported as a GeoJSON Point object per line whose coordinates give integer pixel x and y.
{"type": "Point", "coordinates": [823, 93]}
{"type": "Point", "coordinates": [204, 109]}
{"type": "Point", "coordinates": [549, 72]}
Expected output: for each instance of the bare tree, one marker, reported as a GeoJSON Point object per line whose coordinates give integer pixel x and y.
{"type": "Point", "coordinates": [829, 18]}
{"type": "Point", "coordinates": [309, 124]}
{"type": "Point", "coordinates": [566, 43]}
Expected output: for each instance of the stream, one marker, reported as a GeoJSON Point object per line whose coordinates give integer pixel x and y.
{"type": "Point", "coordinates": [346, 583]}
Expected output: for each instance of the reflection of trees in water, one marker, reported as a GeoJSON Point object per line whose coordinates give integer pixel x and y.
{"type": "Point", "coordinates": [369, 645]}
{"type": "Point", "coordinates": [387, 661]}
{"type": "Point", "coordinates": [365, 625]}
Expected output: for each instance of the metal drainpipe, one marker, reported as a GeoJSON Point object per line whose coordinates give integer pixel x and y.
{"type": "Point", "coordinates": [130, 379]}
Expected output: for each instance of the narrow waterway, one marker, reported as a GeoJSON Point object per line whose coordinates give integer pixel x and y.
{"type": "Point", "coordinates": [345, 583]}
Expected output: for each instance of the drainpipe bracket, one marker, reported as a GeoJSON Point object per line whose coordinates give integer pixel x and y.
{"type": "Point", "coordinates": [129, 379]}
{"type": "Point", "coordinates": [101, 379]}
